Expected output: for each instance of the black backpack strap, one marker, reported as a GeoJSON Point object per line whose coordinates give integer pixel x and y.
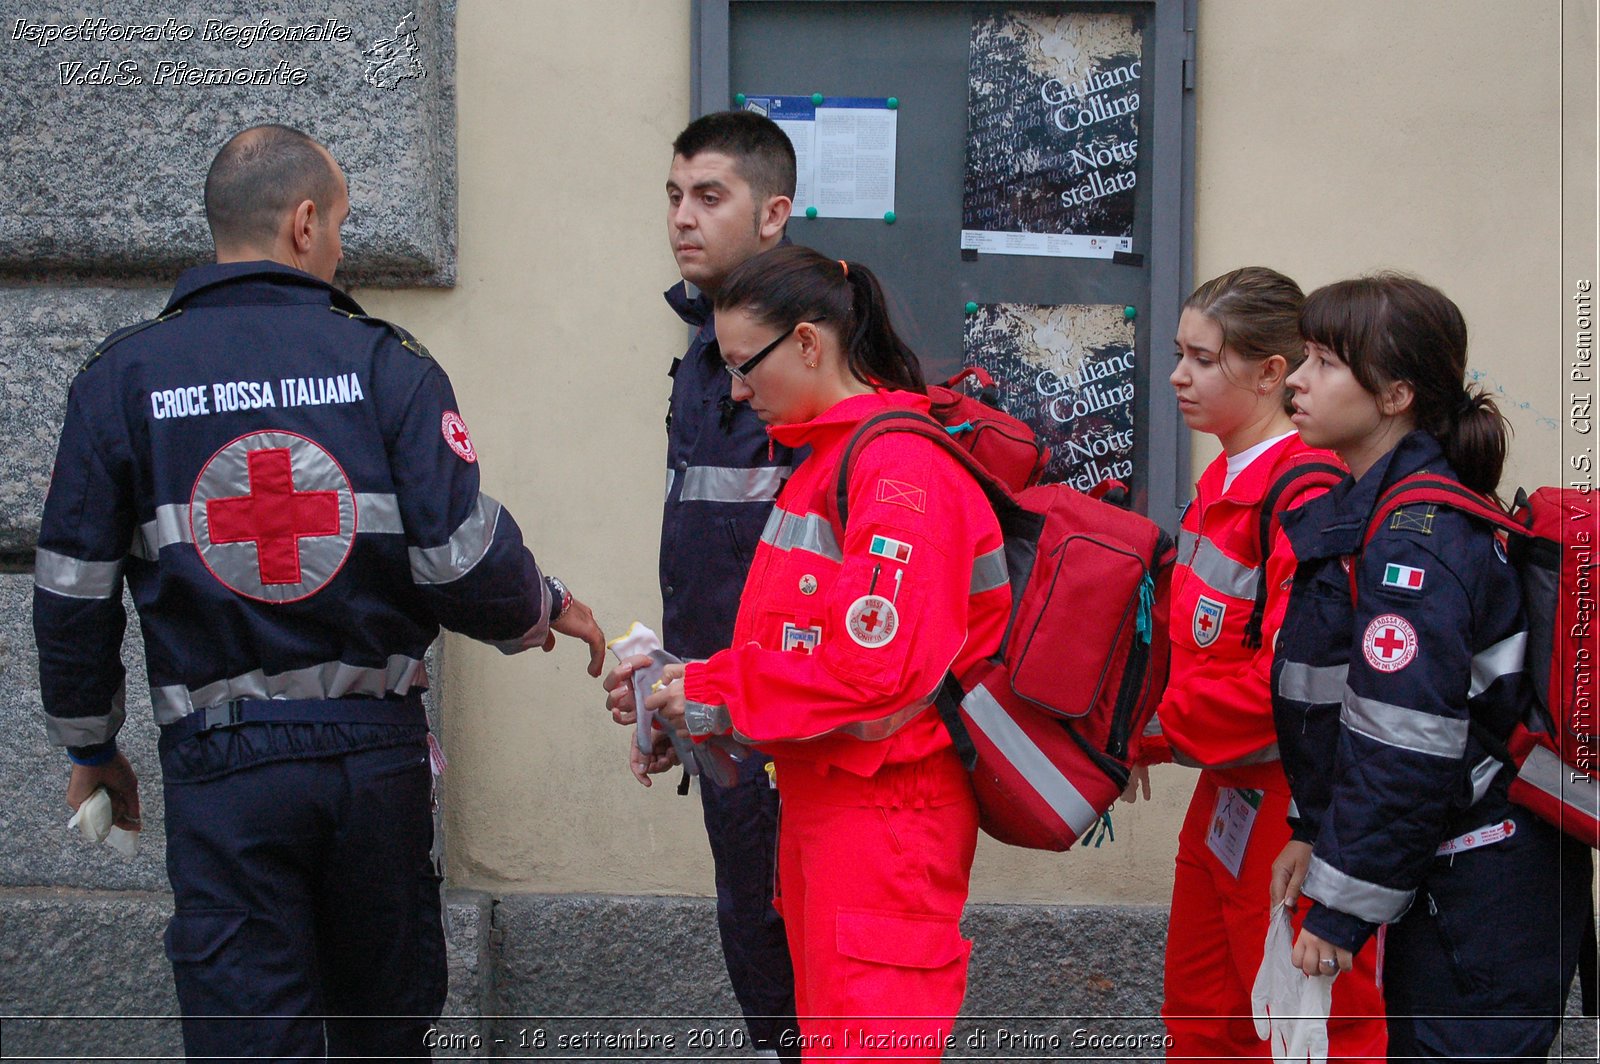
{"type": "Point", "coordinates": [1589, 977]}
{"type": "Point", "coordinates": [949, 702]}
{"type": "Point", "coordinates": [1299, 478]}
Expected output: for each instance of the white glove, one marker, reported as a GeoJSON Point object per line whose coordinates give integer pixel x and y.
{"type": "Point", "coordinates": [1290, 1007]}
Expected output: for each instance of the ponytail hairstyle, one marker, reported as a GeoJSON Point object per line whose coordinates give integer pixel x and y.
{"type": "Point", "coordinates": [1390, 328]}
{"type": "Point", "coordinates": [791, 284]}
{"type": "Point", "coordinates": [1258, 311]}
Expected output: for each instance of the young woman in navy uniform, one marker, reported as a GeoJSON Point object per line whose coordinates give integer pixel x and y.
{"type": "Point", "coordinates": [1238, 339]}
{"type": "Point", "coordinates": [1393, 660]}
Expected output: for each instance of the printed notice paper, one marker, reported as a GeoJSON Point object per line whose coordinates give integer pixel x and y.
{"type": "Point", "coordinates": [844, 152]}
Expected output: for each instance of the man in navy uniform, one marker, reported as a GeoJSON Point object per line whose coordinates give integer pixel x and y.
{"type": "Point", "coordinates": [290, 492]}
{"type": "Point", "coordinates": [729, 193]}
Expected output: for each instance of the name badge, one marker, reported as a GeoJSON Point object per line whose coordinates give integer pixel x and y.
{"type": "Point", "coordinates": [1231, 820]}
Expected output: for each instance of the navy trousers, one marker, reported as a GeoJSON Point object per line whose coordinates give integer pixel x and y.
{"type": "Point", "coordinates": [307, 911]}
{"type": "Point", "coordinates": [742, 826]}
{"type": "Point", "coordinates": [1480, 966]}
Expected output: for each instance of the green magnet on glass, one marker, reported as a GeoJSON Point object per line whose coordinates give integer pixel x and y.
{"type": "Point", "coordinates": [816, 99]}
{"type": "Point", "coordinates": [1130, 313]}
{"type": "Point", "coordinates": [811, 212]}
{"type": "Point", "coordinates": [972, 308]}
{"type": "Point", "coordinates": [893, 103]}
{"type": "Point", "coordinates": [888, 216]}
{"type": "Point", "coordinates": [738, 98]}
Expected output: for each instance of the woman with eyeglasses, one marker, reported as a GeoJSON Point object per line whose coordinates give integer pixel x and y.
{"type": "Point", "coordinates": [842, 640]}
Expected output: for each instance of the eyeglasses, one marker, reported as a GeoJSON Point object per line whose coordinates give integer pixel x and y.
{"type": "Point", "coordinates": [741, 372]}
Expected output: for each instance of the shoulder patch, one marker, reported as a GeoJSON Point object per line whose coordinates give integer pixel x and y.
{"type": "Point", "coordinates": [122, 334]}
{"type": "Point", "coordinates": [1414, 519]}
{"type": "Point", "coordinates": [407, 341]}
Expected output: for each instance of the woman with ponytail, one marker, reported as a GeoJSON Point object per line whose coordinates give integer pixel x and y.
{"type": "Point", "coordinates": [1238, 340]}
{"type": "Point", "coordinates": [1398, 676]}
{"type": "Point", "coordinates": [843, 638]}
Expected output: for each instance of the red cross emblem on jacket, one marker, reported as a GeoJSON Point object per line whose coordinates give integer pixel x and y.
{"type": "Point", "coordinates": [273, 516]}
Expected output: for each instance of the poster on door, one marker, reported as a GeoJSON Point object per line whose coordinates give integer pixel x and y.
{"type": "Point", "coordinates": [1068, 372]}
{"type": "Point", "coordinates": [1052, 133]}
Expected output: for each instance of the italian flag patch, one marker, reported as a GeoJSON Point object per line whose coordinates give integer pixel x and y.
{"type": "Point", "coordinates": [1403, 576]}
{"type": "Point", "coordinates": [893, 549]}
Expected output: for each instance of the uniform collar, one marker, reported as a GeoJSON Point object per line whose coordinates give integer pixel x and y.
{"type": "Point", "coordinates": [694, 310]}
{"type": "Point", "coordinates": [1335, 524]}
{"type": "Point", "coordinates": [1250, 486]}
{"type": "Point", "coordinates": [264, 280]}
{"type": "Point", "coordinates": [834, 422]}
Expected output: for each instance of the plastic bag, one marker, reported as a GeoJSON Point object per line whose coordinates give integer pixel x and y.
{"type": "Point", "coordinates": [1290, 1007]}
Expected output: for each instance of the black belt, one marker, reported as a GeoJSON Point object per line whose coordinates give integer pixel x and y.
{"type": "Point", "coordinates": [406, 711]}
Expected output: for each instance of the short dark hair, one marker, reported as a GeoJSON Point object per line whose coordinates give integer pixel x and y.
{"type": "Point", "coordinates": [760, 151]}
{"type": "Point", "coordinates": [259, 174]}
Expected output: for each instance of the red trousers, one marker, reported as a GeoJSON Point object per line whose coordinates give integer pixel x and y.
{"type": "Point", "coordinates": [1217, 928]}
{"type": "Point", "coordinates": [872, 877]}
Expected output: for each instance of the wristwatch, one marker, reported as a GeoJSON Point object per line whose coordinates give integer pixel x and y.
{"type": "Point", "coordinates": [560, 598]}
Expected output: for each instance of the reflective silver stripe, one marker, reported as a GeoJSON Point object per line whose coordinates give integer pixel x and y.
{"type": "Point", "coordinates": [1294, 809]}
{"type": "Point", "coordinates": [989, 717]}
{"type": "Point", "coordinates": [171, 525]}
{"type": "Point", "coordinates": [1408, 729]}
{"type": "Point", "coordinates": [375, 512]}
{"type": "Point", "coordinates": [333, 679]}
{"type": "Point", "coordinates": [378, 513]}
{"type": "Point", "coordinates": [75, 578]}
{"type": "Point", "coordinates": [672, 474]}
{"type": "Point", "coordinates": [1546, 772]}
{"type": "Point", "coordinates": [1260, 757]}
{"type": "Point", "coordinates": [702, 718]}
{"type": "Point", "coordinates": [1312, 683]}
{"type": "Point", "coordinates": [989, 571]}
{"type": "Point", "coordinates": [787, 531]}
{"type": "Point", "coordinates": [1502, 659]}
{"type": "Point", "coordinates": [1368, 901]}
{"type": "Point", "coordinates": [86, 731]}
{"type": "Point", "coordinates": [1219, 571]}
{"type": "Point", "coordinates": [1154, 726]}
{"type": "Point", "coordinates": [1483, 774]}
{"type": "Point", "coordinates": [466, 548]}
{"type": "Point", "coordinates": [873, 730]}
{"type": "Point", "coordinates": [732, 483]}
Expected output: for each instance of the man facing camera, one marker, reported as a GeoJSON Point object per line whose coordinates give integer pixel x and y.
{"type": "Point", "coordinates": [290, 492]}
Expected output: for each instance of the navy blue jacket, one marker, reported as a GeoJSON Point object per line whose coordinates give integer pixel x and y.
{"type": "Point", "coordinates": [292, 498]}
{"type": "Point", "coordinates": [723, 474]}
{"type": "Point", "coordinates": [1372, 700]}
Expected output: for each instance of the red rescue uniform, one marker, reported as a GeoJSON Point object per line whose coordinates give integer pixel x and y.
{"type": "Point", "coordinates": [1217, 715]}
{"type": "Point", "coordinates": [840, 645]}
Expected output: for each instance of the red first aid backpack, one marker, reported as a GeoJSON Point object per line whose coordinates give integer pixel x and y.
{"type": "Point", "coordinates": [1552, 537]}
{"type": "Point", "coordinates": [1004, 446]}
{"type": "Point", "coordinates": [1049, 725]}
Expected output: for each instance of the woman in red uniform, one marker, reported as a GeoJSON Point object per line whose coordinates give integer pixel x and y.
{"type": "Point", "coordinates": [1238, 339]}
{"type": "Point", "coordinates": [842, 640]}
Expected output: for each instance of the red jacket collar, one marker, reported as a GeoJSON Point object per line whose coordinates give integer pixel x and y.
{"type": "Point", "coordinates": [835, 422]}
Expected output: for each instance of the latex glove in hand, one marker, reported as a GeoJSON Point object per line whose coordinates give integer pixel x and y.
{"type": "Point", "coordinates": [1290, 1007]}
